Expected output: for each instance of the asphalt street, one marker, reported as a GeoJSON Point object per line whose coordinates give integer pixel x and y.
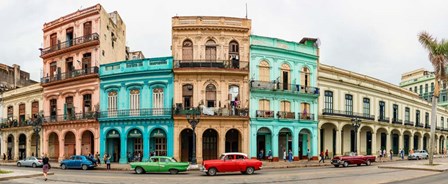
{"type": "Point", "coordinates": [324, 175]}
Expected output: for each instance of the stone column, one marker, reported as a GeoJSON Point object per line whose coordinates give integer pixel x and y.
{"type": "Point", "coordinates": [221, 141]}
{"type": "Point", "coordinates": [374, 146]}
{"type": "Point", "coordinates": [253, 142]}
{"type": "Point", "coordinates": [198, 147]}
{"type": "Point", "coordinates": [411, 142]}
{"type": "Point", "coordinates": [78, 147]}
{"type": "Point", "coordinates": [61, 149]}
{"type": "Point", "coordinates": [400, 142]}
{"type": "Point", "coordinates": [295, 144]}
{"type": "Point", "coordinates": [388, 142]}
{"type": "Point", "coordinates": [28, 145]}
{"type": "Point", "coordinates": [274, 144]}
{"type": "Point", "coordinates": [420, 146]}
{"type": "Point", "coordinates": [358, 141]}
{"type": "Point", "coordinates": [338, 142]}
{"type": "Point", "coordinates": [16, 149]}
{"type": "Point", "coordinates": [146, 147]}
{"type": "Point", "coordinates": [123, 150]}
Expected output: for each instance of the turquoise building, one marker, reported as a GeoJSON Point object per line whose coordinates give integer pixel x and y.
{"type": "Point", "coordinates": [135, 102]}
{"type": "Point", "coordinates": [283, 99]}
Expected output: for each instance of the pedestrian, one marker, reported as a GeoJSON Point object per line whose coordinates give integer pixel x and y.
{"type": "Point", "coordinates": [402, 154]}
{"type": "Point", "coordinates": [308, 155]}
{"type": "Point", "coordinates": [129, 157]}
{"type": "Point", "coordinates": [290, 156]}
{"type": "Point", "coordinates": [284, 155]}
{"type": "Point", "coordinates": [261, 154]}
{"type": "Point", "coordinates": [326, 154]}
{"type": "Point", "coordinates": [97, 157]}
{"type": "Point", "coordinates": [322, 157]}
{"type": "Point", "coordinates": [107, 162]}
{"type": "Point", "coordinates": [270, 156]}
{"type": "Point", "coordinates": [46, 166]}
{"type": "Point", "coordinates": [391, 154]}
{"type": "Point", "coordinates": [4, 156]}
{"type": "Point", "coordinates": [384, 153]}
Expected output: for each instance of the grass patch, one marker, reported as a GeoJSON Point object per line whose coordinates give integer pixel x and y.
{"type": "Point", "coordinates": [5, 172]}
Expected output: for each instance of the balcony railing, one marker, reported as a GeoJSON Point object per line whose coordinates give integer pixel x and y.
{"type": "Point", "coordinates": [397, 121]}
{"type": "Point", "coordinates": [383, 119]}
{"type": "Point", "coordinates": [264, 114]}
{"type": "Point", "coordinates": [214, 111]}
{"type": "Point", "coordinates": [439, 128]}
{"type": "Point", "coordinates": [286, 115]}
{"type": "Point", "coordinates": [14, 122]}
{"type": "Point", "coordinates": [445, 129]}
{"type": "Point", "coordinates": [408, 123]}
{"type": "Point", "coordinates": [284, 87]}
{"type": "Point", "coordinates": [114, 113]}
{"type": "Point", "coordinates": [349, 114]}
{"type": "Point", "coordinates": [70, 43]}
{"type": "Point", "coordinates": [225, 64]}
{"type": "Point", "coordinates": [306, 116]}
{"type": "Point", "coordinates": [427, 126]}
{"type": "Point", "coordinates": [419, 125]}
{"type": "Point", "coordinates": [70, 117]}
{"type": "Point", "coordinates": [69, 75]}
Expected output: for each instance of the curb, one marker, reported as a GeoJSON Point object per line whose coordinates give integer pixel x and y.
{"type": "Point", "coordinates": [413, 168]}
{"type": "Point", "coordinates": [23, 176]}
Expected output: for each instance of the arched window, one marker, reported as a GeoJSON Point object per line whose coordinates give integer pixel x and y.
{"type": "Point", "coordinates": [285, 106]}
{"type": "Point", "coordinates": [264, 109]}
{"type": "Point", "coordinates": [305, 111]}
{"type": "Point", "coordinates": [35, 109]}
{"type": "Point", "coordinates": [305, 78]}
{"type": "Point", "coordinates": [157, 97]}
{"type": "Point", "coordinates": [328, 102]}
{"type": "Point", "coordinates": [210, 95]}
{"type": "Point", "coordinates": [234, 50]}
{"type": "Point", "coordinates": [112, 103]}
{"type": "Point", "coordinates": [135, 101]}
{"type": "Point", "coordinates": [263, 70]}
{"type": "Point", "coordinates": [21, 113]}
{"type": "Point", "coordinates": [187, 50]}
{"type": "Point", "coordinates": [285, 76]}
{"type": "Point", "coordinates": [210, 50]}
{"type": "Point", "coordinates": [187, 95]}
{"type": "Point", "coordinates": [69, 108]}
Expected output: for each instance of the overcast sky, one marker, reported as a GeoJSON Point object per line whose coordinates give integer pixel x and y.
{"type": "Point", "coordinates": [376, 38]}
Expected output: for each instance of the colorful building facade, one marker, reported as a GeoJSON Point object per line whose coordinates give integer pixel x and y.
{"type": "Point", "coordinates": [283, 97]}
{"type": "Point", "coordinates": [211, 69]}
{"type": "Point", "coordinates": [136, 99]}
{"type": "Point", "coordinates": [74, 47]}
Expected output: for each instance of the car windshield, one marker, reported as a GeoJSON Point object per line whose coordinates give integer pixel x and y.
{"type": "Point", "coordinates": [222, 157]}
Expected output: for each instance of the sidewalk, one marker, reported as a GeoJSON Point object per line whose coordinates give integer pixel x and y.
{"type": "Point", "coordinates": [20, 174]}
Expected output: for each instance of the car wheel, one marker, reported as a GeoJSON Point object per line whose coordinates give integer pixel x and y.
{"type": "Point", "coordinates": [34, 165]}
{"type": "Point", "coordinates": [368, 162]}
{"type": "Point", "coordinates": [139, 170]}
{"type": "Point", "coordinates": [84, 167]}
{"type": "Point", "coordinates": [345, 164]}
{"type": "Point", "coordinates": [174, 171]}
{"type": "Point", "coordinates": [211, 172]}
{"type": "Point", "coordinates": [19, 164]}
{"type": "Point", "coordinates": [336, 165]}
{"type": "Point", "coordinates": [243, 172]}
{"type": "Point", "coordinates": [250, 170]}
{"type": "Point", "coordinates": [63, 166]}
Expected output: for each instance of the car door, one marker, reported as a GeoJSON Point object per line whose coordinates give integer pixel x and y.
{"type": "Point", "coordinates": [163, 165]}
{"type": "Point", "coordinates": [229, 164]}
{"type": "Point", "coordinates": [241, 163]}
{"type": "Point", "coordinates": [152, 165]}
{"type": "Point", "coordinates": [79, 161]}
{"type": "Point", "coordinates": [26, 161]}
{"type": "Point", "coordinates": [69, 162]}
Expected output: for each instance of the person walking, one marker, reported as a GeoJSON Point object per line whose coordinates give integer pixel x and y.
{"type": "Point", "coordinates": [308, 154]}
{"type": "Point", "coordinates": [270, 156]}
{"type": "Point", "coordinates": [402, 154]}
{"type": "Point", "coordinates": [107, 160]}
{"type": "Point", "coordinates": [384, 154]}
{"type": "Point", "coordinates": [46, 166]}
{"type": "Point", "coordinates": [326, 154]}
{"type": "Point", "coordinates": [391, 153]}
{"type": "Point", "coordinates": [380, 154]}
{"type": "Point", "coordinates": [322, 158]}
{"type": "Point", "coordinates": [97, 157]}
{"type": "Point", "coordinates": [290, 156]}
{"type": "Point", "coordinates": [284, 155]}
{"type": "Point", "coordinates": [261, 155]}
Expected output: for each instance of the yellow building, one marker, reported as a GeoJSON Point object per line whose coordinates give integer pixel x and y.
{"type": "Point", "coordinates": [392, 118]}
{"type": "Point", "coordinates": [211, 72]}
{"type": "Point", "coordinates": [20, 107]}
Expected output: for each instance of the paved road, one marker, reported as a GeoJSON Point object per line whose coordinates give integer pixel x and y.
{"type": "Point", "coordinates": [361, 174]}
{"type": "Point", "coordinates": [433, 179]}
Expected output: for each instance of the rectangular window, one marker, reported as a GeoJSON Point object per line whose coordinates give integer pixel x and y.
{"type": "Point", "coordinates": [426, 118]}
{"type": "Point", "coordinates": [53, 109]}
{"type": "Point", "coordinates": [415, 89]}
{"type": "Point", "coordinates": [442, 122]}
{"type": "Point", "coordinates": [349, 104]}
{"type": "Point", "coordinates": [134, 64]}
{"type": "Point", "coordinates": [382, 110]}
{"type": "Point", "coordinates": [432, 86]}
{"type": "Point", "coordinates": [328, 101]}
{"type": "Point", "coordinates": [21, 113]}
{"type": "Point", "coordinates": [366, 107]}
{"type": "Point", "coordinates": [421, 89]}
{"type": "Point", "coordinates": [134, 102]}
{"type": "Point", "coordinates": [35, 109]}
{"type": "Point", "coordinates": [407, 115]}
{"type": "Point", "coordinates": [87, 103]}
{"type": "Point", "coordinates": [285, 106]}
{"type": "Point", "coordinates": [417, 117]}
{"type": "Point", "coordinates": [410, 89]}
{"type": "Point", "coordinates": [157, 101]}
{"type": "Point", "coordinates": [112, 103]}
{"type": "Point", "coordinates": [264, 105]}
{"type": "Point", "coordinates": [426, 88]}
{"type": "Point", "coordinates": [395, 112]}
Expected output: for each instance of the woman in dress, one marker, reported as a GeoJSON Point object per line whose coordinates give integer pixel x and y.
{"type": "Point", "coordinates": [46, 166]}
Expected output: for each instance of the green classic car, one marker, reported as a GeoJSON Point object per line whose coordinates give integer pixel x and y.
{"type": "Point", "coordinates": [160, 164]}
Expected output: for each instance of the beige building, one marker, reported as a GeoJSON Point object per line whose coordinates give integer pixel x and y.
{"type": "Point", "coordinates": [391, 117]}
{"type": "Point", "coordinates": [211, 72]}
{"type": "Point", "coordinates": [21, 106]}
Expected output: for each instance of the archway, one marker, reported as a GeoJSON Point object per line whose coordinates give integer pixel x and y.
{"type": "Point", "coordinates": [10, 147]}
{"type": "Point", "coordinates": [69, 144]}
{"type": "Point", "coordinates": [395, 138]}
{"type": "Point", "coordinates": [35, 142]}
{"type": "Point", "coordinates": [417, 138]}
{"type": "Point", "coordinates": [365, 141]}
{"type": "Point", "coordinates": [209, 144]}
{"type": "Point", "coordinates": [348, 139]}
{"type": "Point", "coordinates": [305, 143]}
{"type": "Point", "coordinates": [284, 142]}
{"type": "Point", "coordinates": [158, 142]}
{"type": "Point", "coordinates": [135, 145]}
{"type": "Point", "coordinates": [87, 143]}
{"type": "Point", "coordinates": [113, 145]}
{"type": "Point", "coordinates": [53, 146]}
{"type": "Point", "coordinates": [22, 146]}
{"type": "Point", "coordinates": [442, 144]}
{"type": "Point", "coordinates": [328, 138]}
{"type": "Point", "coordinates": [186, 145]}
{"type": "Point", "coordinates": [381, 138]}
{"type": "Point", "coordinates": [264, 144]}
{"type": "Point", "coordinates": [233, 141]}
{"type": "Point", "coordinates": [426, 137]}
{"type": "Point", "coordinates": [407, 135]}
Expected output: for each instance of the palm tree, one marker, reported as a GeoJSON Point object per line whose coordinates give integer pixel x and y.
{"type": "Point", "coordinates": [438, 56]}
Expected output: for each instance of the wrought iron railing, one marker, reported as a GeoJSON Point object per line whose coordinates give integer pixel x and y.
{"type": "Point", "coordinates": [226, 64]}
{"type": "Point", "coordinates": [213, 111]}
{"type": "Point", "coordinates": [439, 128]}
{"type": "Point", "coordinates": [306, 116]}
{"type": "Point", "coordinates": [264, 114]}
{"type": "Point", "coordinates": [70, 43]}
{"type": "Point", "coordinates": [397, 121]}
{"type": "Point", "coordinates": [349, 114]}
{"type": "Point", "coordinates": [276, 86]}
{"type": "Point", "coordinates": [14, 122]}
{"type": "Point", "coordinates": [409, 123]}
{"type": "Point", "coordinates": [286, 115]}
{"type": "Point", "coordinates": [70, 117]}
{"type": "Point", "coordinates": [69, 75]}
{"type": "Point", "coordinates": [114, 113]}
{"type": "Point", "coordinates": [419, 125]}
{"type": "Point", "coordinates": [383, 119]}
{"type": "Point", "coordinates": [427, 126]}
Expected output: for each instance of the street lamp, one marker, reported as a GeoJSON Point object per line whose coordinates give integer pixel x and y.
{"type": "Point", "coordinates": [193, 119]}
{"type": "Point", "coordinates": [356, 123]}
{"type": "Point", "coordinates": [37, 127]}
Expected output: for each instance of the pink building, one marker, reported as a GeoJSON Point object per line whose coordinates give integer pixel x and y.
{"type": "Point", "coordinates": [74, 47]}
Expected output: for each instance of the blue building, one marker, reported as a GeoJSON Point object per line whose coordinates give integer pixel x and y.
{"type": "Point", "coordinates": [283, 101]}
{"type": "Point", "coordinates": [135, 102]}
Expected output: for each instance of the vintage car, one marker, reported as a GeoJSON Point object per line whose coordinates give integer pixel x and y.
{"type": "Point", "coordinates": [160, 164]}
{"type": "Point", "coordinates": [231, 162]}
{"type": "Point", "coordinates": [30, 161]}
{"type": "Point", "coordinates": [418, 154]}
{"type": "Point", "coordinates": [78, 162]}
{"type": "Point", "coordinates": [352, 158]}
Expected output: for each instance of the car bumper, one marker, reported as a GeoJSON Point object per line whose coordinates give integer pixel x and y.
{"type": "Point", "coordinates": [336, 162]}
{"type": "Point", "coordinates": [202, 169]}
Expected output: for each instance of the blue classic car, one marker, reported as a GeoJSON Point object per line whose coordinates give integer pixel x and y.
{"type": "Point", "coordinates": [78, 162]}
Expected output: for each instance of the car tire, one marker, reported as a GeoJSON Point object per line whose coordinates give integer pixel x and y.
{"type": "Point", "coordinates": [34, 165]}
{"type": "Point", "coordinates": [19, 164]}
{"type": "Point", "coordinates": [63, 166]}
{"type": "Point", "coordinates": [84, 167]}
{"type": "Point", "coordinates": [139, 170]}
{"type": "Point", "coordinates": [368, 163]}
{"type": "Point", "coordinates": [174, 171]}
{"type": "Point", "coordinates": [243, 172]}
{"type": "Point", "coordinates": [336, 165]}
{"type": "Point", "coordinates": [345, 164]}
{"type": "Point", "coordinates": [250, 170]}
{"type": "Point", "coordinates": [211, 171]}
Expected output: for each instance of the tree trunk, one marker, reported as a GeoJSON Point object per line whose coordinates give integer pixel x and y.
{"type": "Point", "coordinates": [433, 129]}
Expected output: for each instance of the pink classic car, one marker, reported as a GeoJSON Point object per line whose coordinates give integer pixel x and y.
{"type": "Point", "coordinates": [352, 158]}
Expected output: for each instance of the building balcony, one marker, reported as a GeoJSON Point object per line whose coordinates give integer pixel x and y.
{"type": "Point", "coordinates": [419, 125]}
{"type": "Point", "coordinates": [70, 75]}
{"type": "Point", "coordinates": [262, 114]}
{"type": "Point", "coordinates": [213, 112]}
{"type": "Point", "coordinates": [12, 122]}
{"type": "Point", "coordinates": [383, 119]}
{"type": "Point", "coordinates": [286, 115]}
{"type": "Point", "coordinates": [213, 64]}
{"type": "Point", "coordinates": [136, 113]}
{"type": "Point", "coordinates": [283, 87]}
{"type": "Point", "coordinates": [306, 116]}
{"type": "Point", "coordinates": [348, 114]}
{"type": "Point", "coordinates": [427, 125]}
{"type": "Point", "coordinates": [445, 129]}
{"type": "Point", "coordinates": [439, 128]}
{"type": "Point", "coordinates": [408, 123]}
{"type": "Point", "coordinates": [397, 121]}
{"type": "Point", "coordinates": [68, 45]}
{"type": "Point", "coordinates": [70, 117]}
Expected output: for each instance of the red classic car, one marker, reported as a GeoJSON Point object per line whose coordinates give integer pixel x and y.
{"type": "Point", "coordinates": [231, 162]}
{"type": "Point", "coordinates": [352, 158]}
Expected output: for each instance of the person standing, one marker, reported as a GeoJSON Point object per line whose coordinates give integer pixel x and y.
{"type": "Point", "coordinates": [97, 157]}
{"type": "Point", "coordinates": [326, 154]}
{"type": "Point", "coordinates": [270, 156]}
{"type": "Point", "coordinates": [290, 156]}
{"type": "Point", "coordinates": [384, 154]}
{"type": "Point", "coordinates": [391, 154]}
{"type": "Point", "coordinates": [402, 154]}
{"type": "Point", "coordinates": [107, 160]}
{"type": "Point", "coordinates": [308, 154]}
{"type": "Point", "coordinates": [322, 158]}
{"type": "Point", "coordinates": [380, 154]}
{"type": "Point", "coordinates": [284, 155]}
{"type": "Point", "coordinates": [46, 166]}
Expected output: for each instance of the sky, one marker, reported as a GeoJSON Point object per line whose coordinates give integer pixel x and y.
{"type": "Point", "coordinates": [376, 38]}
